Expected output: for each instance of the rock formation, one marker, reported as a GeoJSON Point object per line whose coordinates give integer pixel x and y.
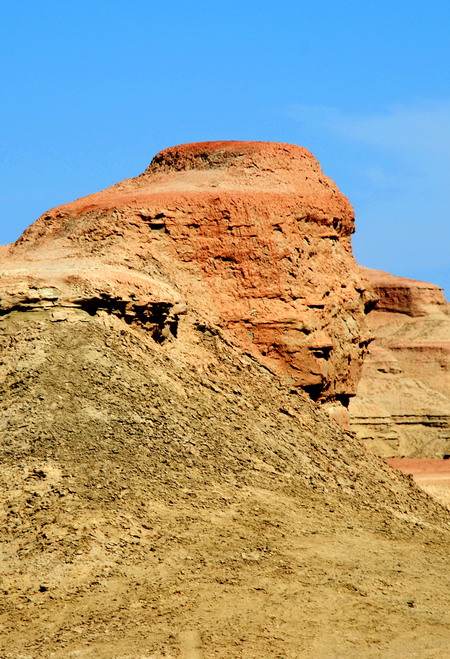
{"type": "Point", "coordinates": [164, 493]}
{"type": "Point", "coordinates": [402, 407]}
{"type": "Point", "coordinates": [251, 234]}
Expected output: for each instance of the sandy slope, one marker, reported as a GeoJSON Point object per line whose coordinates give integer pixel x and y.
{"type": "Point", "coordinates": [176, 500]}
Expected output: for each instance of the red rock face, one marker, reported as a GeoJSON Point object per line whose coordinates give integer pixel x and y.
{"type": "Point", "coordinates": [250, 234]}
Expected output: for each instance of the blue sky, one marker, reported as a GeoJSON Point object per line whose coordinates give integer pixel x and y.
{"type": "Point", "coordinates": [92, 90]}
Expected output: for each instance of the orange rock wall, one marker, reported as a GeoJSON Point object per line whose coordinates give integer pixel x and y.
{"type": "Point", "coordinates": [251, 235]}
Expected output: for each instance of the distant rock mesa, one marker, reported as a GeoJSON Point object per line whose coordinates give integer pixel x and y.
{"type": "Point", "coordinates": [402, 407]}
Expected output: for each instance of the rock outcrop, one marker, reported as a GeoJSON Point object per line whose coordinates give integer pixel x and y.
{"type": "Point", "coordinates": [253, 235]}
{"type": "Point", "coordinates": [402, 407]}
{"type": "Point", "coordinates": [164, 493]}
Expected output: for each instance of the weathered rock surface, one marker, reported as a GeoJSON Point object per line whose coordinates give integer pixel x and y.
{"type": "Point", "coordinates": [252, 235]}
{"type": "Point", "coordinates": [163, 493]}
{"type": "Point", "coordinates": [176, 499]}
{"type": "Point", "coordinates": [402, 407]}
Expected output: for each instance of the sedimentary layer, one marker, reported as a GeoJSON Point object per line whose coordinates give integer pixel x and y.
{"type": "Point", "coordinates": [252, 235]}
{"type": "Point", "coordinates": [166, 490]}
{"type": "Point", "coordinates": [402, 407]}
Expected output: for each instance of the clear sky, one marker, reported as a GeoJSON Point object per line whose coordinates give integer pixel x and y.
{"type": "Point", "coordinates": [92, 90]}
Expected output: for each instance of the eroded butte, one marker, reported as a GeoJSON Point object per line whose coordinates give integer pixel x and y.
{"type": "Point", "coordinates": [402, 407]}
{"type": "Point", "coordinates": [168, 488]}
{"type": "Point", "coordinates": [252, 235]}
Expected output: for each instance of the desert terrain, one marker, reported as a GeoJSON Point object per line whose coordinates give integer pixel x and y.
{"type": "Point", "coordinates": [179, 477]}
{"type": "Point", "coordinates": [402, 406]}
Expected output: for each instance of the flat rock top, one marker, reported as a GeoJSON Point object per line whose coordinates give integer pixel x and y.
{"type": "Point", "coordinates": [235, 156]}
{"type": "Point", "coordinates": [268, 167]}
{"type": "Point", "coordinates": [280, 175]}
{"type": "Point", "coordinates": [404, 295]}
{"type": "Point", "coordinates": [379, 278]}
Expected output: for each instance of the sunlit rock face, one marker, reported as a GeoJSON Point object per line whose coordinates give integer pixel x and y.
{"type": "Point", "coordinates": [251, 235]}
{"type": "Point", "coordinates": [402, 407]}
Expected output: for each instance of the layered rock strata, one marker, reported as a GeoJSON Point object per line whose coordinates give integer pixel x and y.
{"type": "Point", "coordinates": [402, 407]}
{"type": "Point", "coordinates": [163, 493]}
{"type": "Point", "coordinates": [252, 235]}
{"type": "Point", "coordinates": [173, 498]}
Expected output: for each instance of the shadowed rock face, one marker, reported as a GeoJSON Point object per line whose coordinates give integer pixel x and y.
{"type": "Point", "coordinates": [402, 407]}
{"type": "Point", "coordinates": [252, 235]}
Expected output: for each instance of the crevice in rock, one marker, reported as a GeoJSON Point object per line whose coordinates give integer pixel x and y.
{"type": "Point", "coordinates": [155, 222]}
{"type": "Point", "coordinates": [26, 306]}
{"type": "Point", "coordinates": [322, 353]}
{"type": "Point", "coordinates": [112, 305]}
{"type": "Point", "coordinates": [344, 399]}
{"type": "Point", "coordinates": [159, 318]}
{"type": "Point", "coordinates": [226, 259]}
{"type": "Point", "coordinates": [314, 391]}
{"type": "Point", "coordinates": [370, 304]}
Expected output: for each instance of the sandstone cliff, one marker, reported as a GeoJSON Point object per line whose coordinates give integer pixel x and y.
{"type": "Point", "coordinates": [252, 235]}
{"type": "Point", "coordinates": [402, 407]}
{"type": "Point", "coordinates": [164, 493]}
